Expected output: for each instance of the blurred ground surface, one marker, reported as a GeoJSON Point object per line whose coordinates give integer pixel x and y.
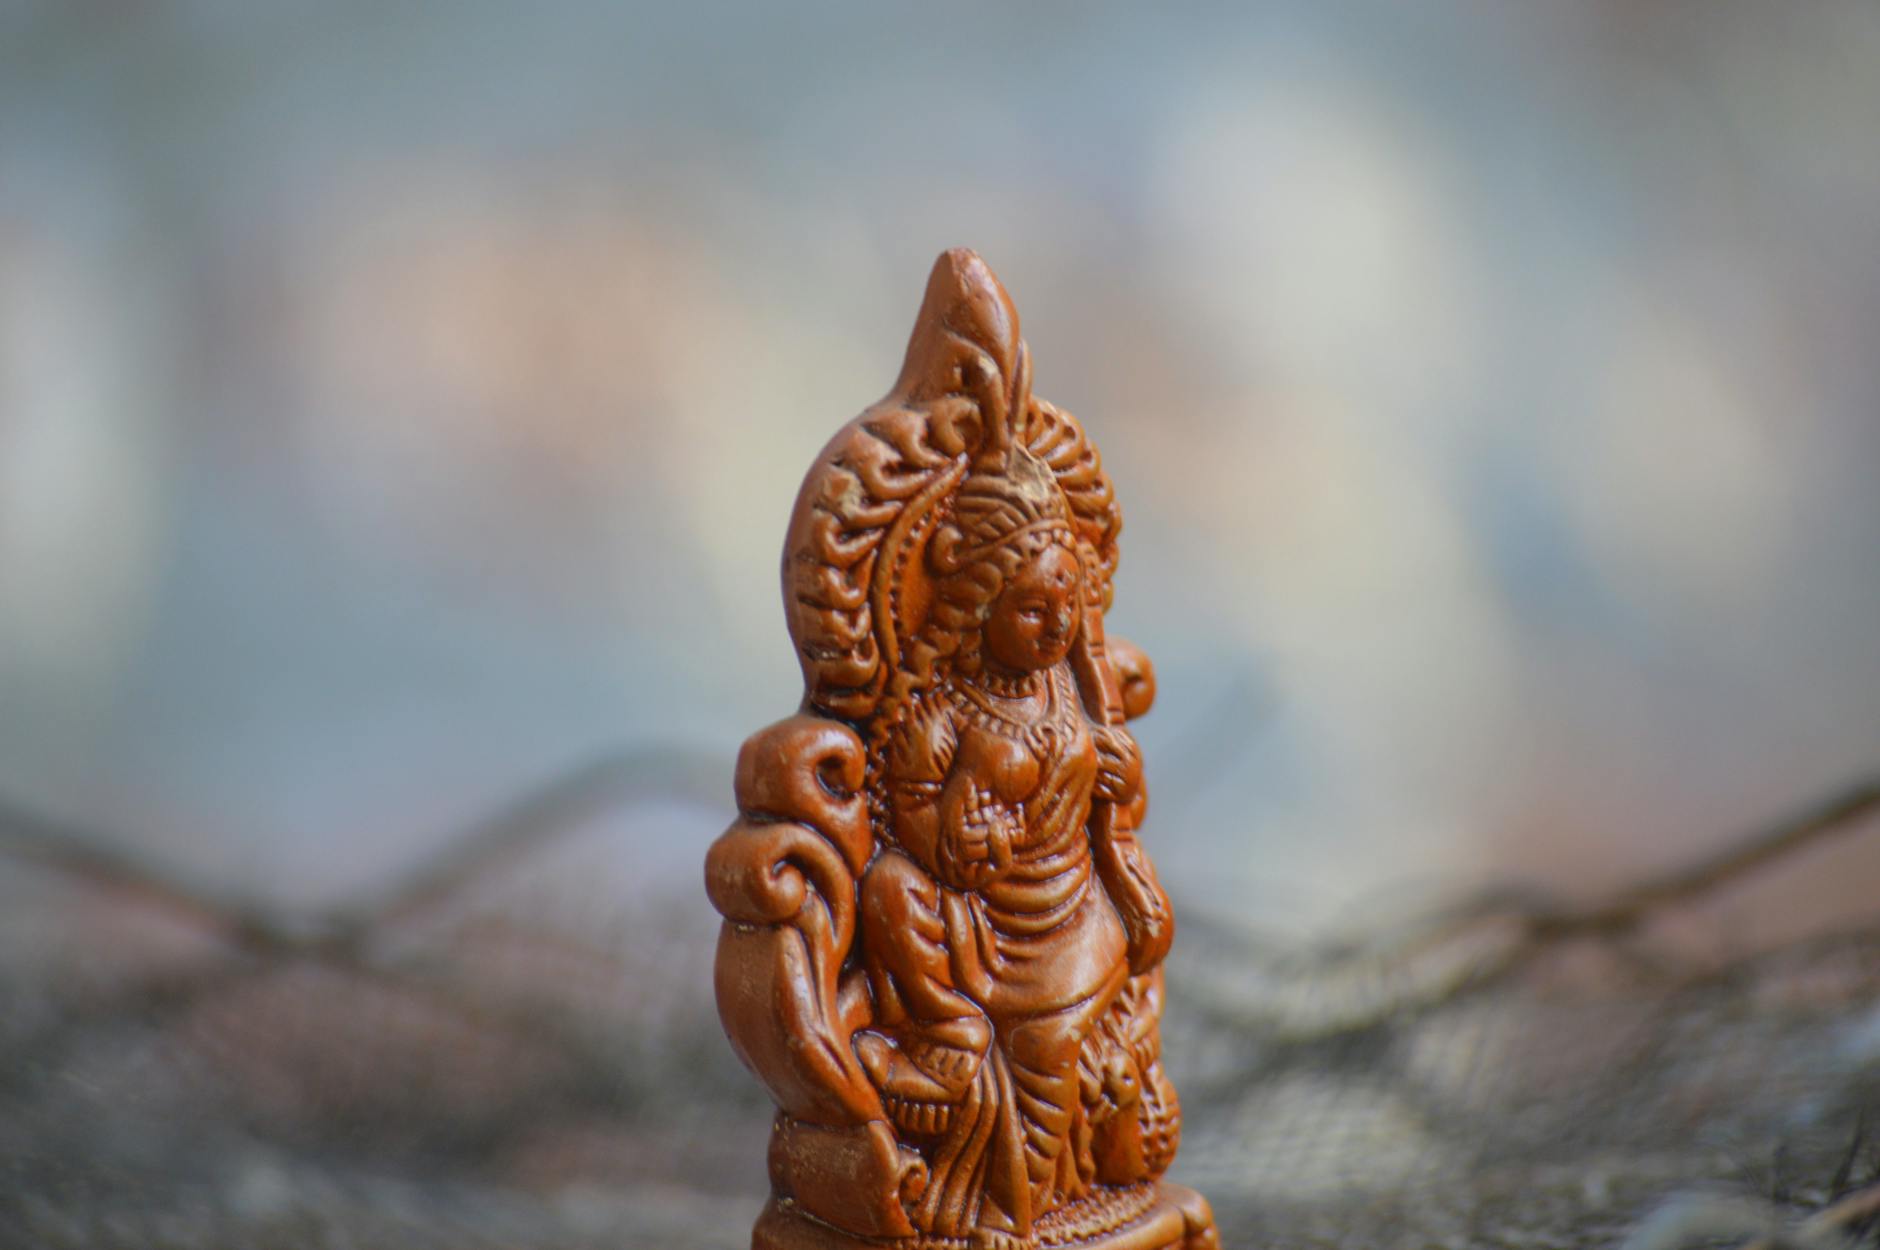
{"type": "Point", "coordinates": [468, 1063]}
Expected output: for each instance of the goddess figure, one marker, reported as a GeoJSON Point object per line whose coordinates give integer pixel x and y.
{"type": "Point", "coordinates": [943, 943]}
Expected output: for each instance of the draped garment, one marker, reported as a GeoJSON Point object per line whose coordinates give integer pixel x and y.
{"type": "Point", "coordinates": [1038, 954]}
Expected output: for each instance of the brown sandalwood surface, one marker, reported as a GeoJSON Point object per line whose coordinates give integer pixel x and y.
{"type": "Point", "coordinates": [943, 944]}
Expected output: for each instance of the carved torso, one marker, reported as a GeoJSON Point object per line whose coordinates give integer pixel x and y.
{"type": "Point", "coordinates": [1040, 933]}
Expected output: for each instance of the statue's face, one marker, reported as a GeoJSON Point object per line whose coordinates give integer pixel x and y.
{"type": "Point", "coordinates": [1034, 619]}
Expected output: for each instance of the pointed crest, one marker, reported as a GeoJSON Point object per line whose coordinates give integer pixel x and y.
{"type": "Point", "coordinates": [856, 575]}
{"type": "Point", "coordinates": [966, 343]}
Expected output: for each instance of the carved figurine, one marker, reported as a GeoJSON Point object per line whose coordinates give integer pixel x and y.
{"type": "Point", "coordinates": [943, 943]}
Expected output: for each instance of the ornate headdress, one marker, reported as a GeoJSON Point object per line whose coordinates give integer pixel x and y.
{"type": "Point", "coordinates": [1000, 503]}
{"type": "Point", "coordinates": [958, 458]}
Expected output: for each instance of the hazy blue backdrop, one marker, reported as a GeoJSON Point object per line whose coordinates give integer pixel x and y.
{"type": "Point", "coordinates": [400, 405]}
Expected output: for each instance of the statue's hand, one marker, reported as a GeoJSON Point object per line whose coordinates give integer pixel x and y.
{"type": "Point", "coordinates": [1119, 764]}
{"type": "Point", "coordinates": [979, 846]}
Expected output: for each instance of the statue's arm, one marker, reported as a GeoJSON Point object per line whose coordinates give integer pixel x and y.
{"type": "Point", "coordinates": [1120, 778]}
{"type": "Point", "coordinates": [919, 757]}
{"type": "Point", "coordinates": [1127, 679]}
{"type": "Point", "coordinates": [1119, 764]}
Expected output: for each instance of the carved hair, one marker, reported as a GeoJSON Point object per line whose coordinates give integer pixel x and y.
{"type": "Point", "coordinates": [893, 548]}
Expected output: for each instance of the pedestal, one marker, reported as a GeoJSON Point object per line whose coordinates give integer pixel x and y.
{"type": "Point", "coordinates": [1173, 1217]}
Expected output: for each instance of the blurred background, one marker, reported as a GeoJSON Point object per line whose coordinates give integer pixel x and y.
{"type": "Point", "coordinates": [401, 406]}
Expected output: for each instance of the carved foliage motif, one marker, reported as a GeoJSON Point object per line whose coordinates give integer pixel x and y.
{"type": "Point", "coordinates": [942, 944]}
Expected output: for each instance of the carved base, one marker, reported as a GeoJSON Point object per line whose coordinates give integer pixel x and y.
{"type": "Point", "coordinates": [1172, 1217]}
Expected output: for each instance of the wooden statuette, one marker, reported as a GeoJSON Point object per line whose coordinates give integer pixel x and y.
{"type": "Point", "coordinates": [942, 949]}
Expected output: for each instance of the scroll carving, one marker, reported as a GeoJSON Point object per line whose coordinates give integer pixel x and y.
{"type": "Point", "coordinates": [943, 940]}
